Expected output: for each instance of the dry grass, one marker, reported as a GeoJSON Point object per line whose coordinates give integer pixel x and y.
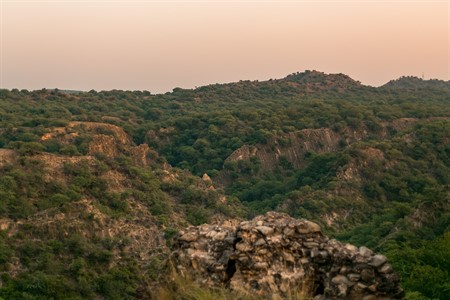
{"type": "Point", "coordinates": [181, 288]}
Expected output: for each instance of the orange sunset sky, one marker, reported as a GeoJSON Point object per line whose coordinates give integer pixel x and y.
{"type": "Point", "coordinates": [159, 45]}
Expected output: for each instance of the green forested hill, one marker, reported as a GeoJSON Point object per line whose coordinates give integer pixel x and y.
{"type": "Point", "coordinates": [370, 164]}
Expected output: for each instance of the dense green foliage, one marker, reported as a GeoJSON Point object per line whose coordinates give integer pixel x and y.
{"type": "Point", "coordinates": [395, 201]}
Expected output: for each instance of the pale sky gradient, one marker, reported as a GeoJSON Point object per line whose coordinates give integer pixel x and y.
{"type": "Point", "coordinates": [159, 45]}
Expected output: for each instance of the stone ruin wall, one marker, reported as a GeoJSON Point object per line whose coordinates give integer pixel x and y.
{"type": "Point", "coordinates": [277, 255]}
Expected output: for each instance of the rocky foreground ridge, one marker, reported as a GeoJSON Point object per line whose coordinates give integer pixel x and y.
{"type": "Point", "coordinates": [276, 255]}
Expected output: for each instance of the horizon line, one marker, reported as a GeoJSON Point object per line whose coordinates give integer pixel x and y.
{"type": "Point", "coordinates": [219, 83]}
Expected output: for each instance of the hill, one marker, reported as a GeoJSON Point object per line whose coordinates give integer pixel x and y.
{"type": "Point", "coordinates": [414, 83]}
{"type": "Point", "coordinates": [97, 223]}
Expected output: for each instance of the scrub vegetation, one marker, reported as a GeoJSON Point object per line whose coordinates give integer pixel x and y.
{"type": "Point", "coordinates": [371, 165]}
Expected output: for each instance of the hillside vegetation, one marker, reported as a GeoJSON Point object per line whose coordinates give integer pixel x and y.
{"type": "Point", "coordinates": [93, 185]}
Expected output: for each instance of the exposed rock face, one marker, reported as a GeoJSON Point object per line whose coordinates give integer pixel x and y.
{"type": "Point", "coordinates": [54, 164]}
{"type": "Point", "coordinates": [107, 139]}
{"type": "Point", "coordinates": [72, 130]}
{"type": "Point", "coordinates": [104, 144]}
{"type": "Point", "coordinates": [293, 146]}
{"type": "Point", "coordinates": [7, 156]}
{"type": "Point", "coordinates": [142, 155]}
{"type": "Point", "coordinates": [274, 254]}
{"type": "Point", "coordinates": [116, 131]}
{"type": "Point", "coordinates": [136, 234]}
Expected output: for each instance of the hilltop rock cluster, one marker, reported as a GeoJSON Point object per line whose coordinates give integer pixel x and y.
{"type": "Point", "coordinates": [277, 255]}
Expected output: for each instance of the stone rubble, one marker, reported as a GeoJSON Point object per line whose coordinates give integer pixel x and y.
{"type": "Point", "coordinates": [277, 255]}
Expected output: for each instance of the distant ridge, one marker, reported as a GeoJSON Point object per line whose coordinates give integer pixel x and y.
{"type": "Point", "coordinates": [310, 81]}
{"type": "Point", "coordinates": [299, 83]}
{"type": "Point", "coordinates": [413, 82]}
{"type": "Point", "coordinates": [306, 82]}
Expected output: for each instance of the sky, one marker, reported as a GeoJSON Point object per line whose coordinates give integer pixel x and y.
{"type": "Point", "coordinates": [159, 45]}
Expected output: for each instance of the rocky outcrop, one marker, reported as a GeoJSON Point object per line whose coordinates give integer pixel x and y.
{"type": "Point", "coordinates": [54, 164]}
{"type": "Point", "coordinates": [7, 156]}
{"type": "Point", "coordinates": [142, 155]}
{"type": "Point", "coordinates": [105, 145]}
{"type": "Point", "coordinates": [293, 146]}
{"type": "Point", "coordinates": [133, 236]}
{"type": "Point", "coordinates": [106, 139]}
{"type": "Point", "coordinates": [103, 128]}
{"type": "Point", "coordinates": [276, 255]}
{"type": "Point", "coordinates": [73, 129]}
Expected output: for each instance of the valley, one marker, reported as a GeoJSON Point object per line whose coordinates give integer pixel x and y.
{"type": "Point", "coordinates": [96, 187]}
